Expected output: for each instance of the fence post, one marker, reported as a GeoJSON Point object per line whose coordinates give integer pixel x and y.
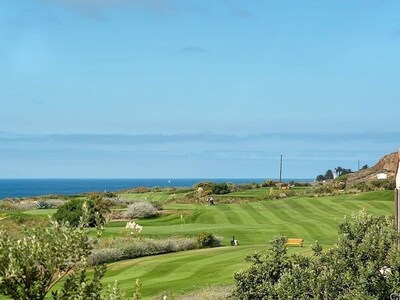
{"type": "Point", "coordinates": [396, 209]}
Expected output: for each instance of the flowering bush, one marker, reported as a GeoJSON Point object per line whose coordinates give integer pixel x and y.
{"type": "Point", "coordinates": [133, 227]}
{"type": "Point", "coordinates": [138, 248]}
{"type": "Point", "coordinates": [140, 210]}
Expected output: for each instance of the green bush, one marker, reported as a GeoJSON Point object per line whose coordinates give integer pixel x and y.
{"type": "Point", "coordinates": [157, 204]}
{"type": "Point", "coordinates": [220, 188]}
{"type": "Point", "coordinates": [208, 240]}
{"type": "Point", "coordinates": [364, 264]}
{"type": "Point", "coordinates": [72, 212]}
{"type": "Point", "coordinates": [32, 266]}
{"type": "Point", "coordinates": [363, 187]}
{"type": "Point", "coordinates": [269, 183]}
{"type": "Point", "coordinates": [324, 189]}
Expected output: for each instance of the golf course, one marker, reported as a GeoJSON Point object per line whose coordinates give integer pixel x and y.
{"type": "Point", "coordinates": [253, 223]}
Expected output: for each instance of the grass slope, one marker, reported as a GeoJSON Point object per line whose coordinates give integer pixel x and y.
{"type": "Point", "coordinates": [254, 224]}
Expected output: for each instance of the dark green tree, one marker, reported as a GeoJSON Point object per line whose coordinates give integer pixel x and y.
{"type": "Point", "coordinates": [328, 175]}
{"type": "Point", "coordinates": [72, 211]}
{"type": "Point", "coordinates": [220, 188]}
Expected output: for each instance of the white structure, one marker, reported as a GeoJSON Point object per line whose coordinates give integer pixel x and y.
{"type": "Point", "coordinates": [398, 173]}
{"type": "Point", "coordinates": [381, 176]}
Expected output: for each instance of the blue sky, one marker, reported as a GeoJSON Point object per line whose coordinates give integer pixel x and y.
{"type": "Point", "coordinates": [184, 88]}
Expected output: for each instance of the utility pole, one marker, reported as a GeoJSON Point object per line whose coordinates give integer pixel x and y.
{"type": "Point", "coordinates": [280, 170]}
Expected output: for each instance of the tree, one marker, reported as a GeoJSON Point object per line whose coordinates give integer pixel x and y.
{"type": "Point", "coordinates": [72, 210]}
{"type": "Point", "coordinates": [364, 264]}
{"type": "Point", "coordinates": [328, 174]}
{"type": "Point", "coordinates": [338, 171]}
{"type": "Point", "coordinates": [320, 178]}
{"type": "Point", "coordinates": [341, 171]}
{"type": "Point", "coordinates": [364, 167]}
{"type": "Point", "coordinates": [31, 266]}
{"type": "Point", "coordinates": [220, 188]}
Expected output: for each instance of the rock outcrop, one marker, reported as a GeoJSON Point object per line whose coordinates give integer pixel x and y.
{"type": "Point", "coordinates": [386, 164]}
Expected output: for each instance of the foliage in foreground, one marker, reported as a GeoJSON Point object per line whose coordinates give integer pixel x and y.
{"type": "Point", "coordinates": [31, 266]}
{"type": "Point", "coordinates": [365, 264]}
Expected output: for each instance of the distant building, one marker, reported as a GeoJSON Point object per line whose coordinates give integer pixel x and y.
{"type": "Point", "coordinates": [381, 176]}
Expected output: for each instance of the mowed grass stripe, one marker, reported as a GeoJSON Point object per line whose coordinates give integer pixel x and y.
{"type": "Point", "coordinates": [232, 216]}
{"type": "Point", "coordinates": [181, 272]}
{"type": "Point", "coordinates": [254, 213]}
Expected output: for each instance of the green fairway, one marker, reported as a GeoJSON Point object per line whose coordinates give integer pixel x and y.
{"type": "Point", "coordinates": [182, 272]}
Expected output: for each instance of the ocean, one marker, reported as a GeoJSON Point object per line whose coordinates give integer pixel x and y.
{"type": "Point", "coordinates": [18, 188]}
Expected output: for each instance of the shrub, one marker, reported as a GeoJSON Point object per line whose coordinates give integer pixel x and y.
{"type": "Point", "coordinates": [105, 256]}
{"type": "Point", "coordinates": [127, 249]}
{"type": "Point", "coordinates": [16, 204]}
{"type": "Point", "coordinates": [53, 203]}
{"type": "Point", "coordinates": [43, 205]}
{"type": "Point", "coordinates": [208, 240]}
{"type": "Point", "coordinates": [324, 189]}
{"type": "Point", "coordinates": [157, 204]}
{"type": "Point", "coordinates": [72, 212]}
{"type": "Point", "coordinates": [268, 183]}
{"type": "Point", "coordinates": [383, 184]}
{"type": "Point", "coordinates": [220, 188]}
{"type": "Point", "coordinates": [140, 210]}
{"type": "Point", "coordinates": [364, 264]}
{"type": "Point", "coordinates": [29, 267]}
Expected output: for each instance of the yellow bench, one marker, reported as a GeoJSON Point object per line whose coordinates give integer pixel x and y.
{"type": "Point", "coordinates": [295, 242]}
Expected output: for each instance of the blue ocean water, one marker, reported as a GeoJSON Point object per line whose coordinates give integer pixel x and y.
{"type": "Point", "coordinates": [37, 187]}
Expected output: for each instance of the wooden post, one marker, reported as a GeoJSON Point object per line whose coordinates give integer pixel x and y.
{"type": "Point", "coordinates": [396, 209]}
{"type": "Point", "coordinates": [280, 170]}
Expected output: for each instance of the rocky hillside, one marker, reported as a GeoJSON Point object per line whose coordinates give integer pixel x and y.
{"type": "Point", "coordinates": [386, 164]}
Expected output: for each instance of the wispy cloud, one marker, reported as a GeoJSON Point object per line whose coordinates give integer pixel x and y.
{"type": "Point", "coordinates": [213, 138]}
{"type": "Point", "coordinates": [95, 7]}
{"type": "Point", "coordinates": [192, 49]}
{"type": "Point", "coordinates": [215, 155]}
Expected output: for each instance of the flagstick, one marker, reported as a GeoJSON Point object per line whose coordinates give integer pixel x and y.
{"type": "Point", "coordinates": [181, 221]}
